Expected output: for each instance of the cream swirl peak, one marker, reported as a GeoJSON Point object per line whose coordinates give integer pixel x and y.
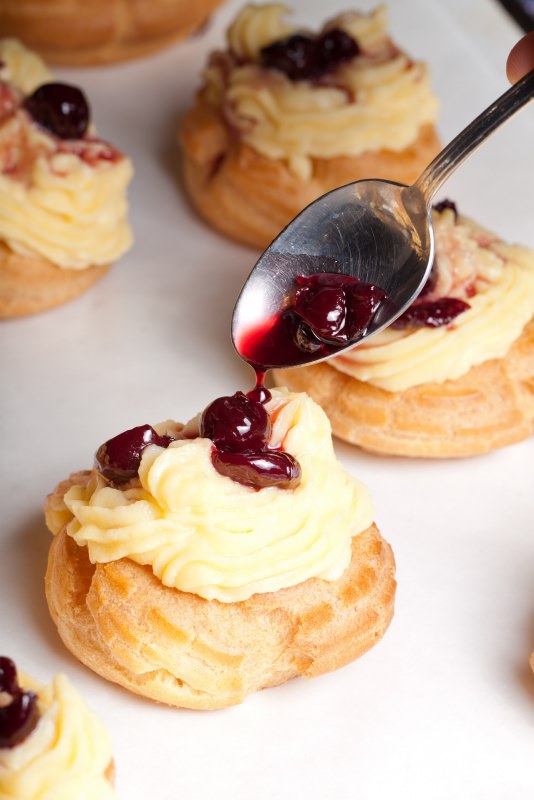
{"type": "Point", "coordinates": [67, 755]}
{"type": "Point", "coordinates": [497, 282]}
{"type": "Point", "coordinates": [377, 99]}
{"type": "Point", "coordinates": [202, 532]}
{"type": "Point", "coordinates": [21, 68]}
{"type": "Point", "coordinates": [60, 199]}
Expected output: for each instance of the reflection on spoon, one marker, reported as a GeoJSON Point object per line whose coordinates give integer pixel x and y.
{"type": "Point", "coordinates": [377, 234]}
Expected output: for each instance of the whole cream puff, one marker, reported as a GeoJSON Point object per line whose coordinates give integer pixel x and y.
{"type": "Point", "coordinates": [102, 31]}
{"type": "Point", "coordinates": [52, 747]}
{"type": "Point", "coordinates": [180, 577]}
{"type": "Point", "coordinates": [63, 208]}
{"type": "Point", "coordinates": [455, 375]}
{"type": "Point", "coordinates": [284, 116]}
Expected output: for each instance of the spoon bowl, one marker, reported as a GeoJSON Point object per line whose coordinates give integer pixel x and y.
{"type": "Point", "coordinates": [375, 231]}
{"type": "Point", "coordinates": [391, 245]}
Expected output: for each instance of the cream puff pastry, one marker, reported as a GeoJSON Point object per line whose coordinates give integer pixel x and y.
{"type": "Point", "coordinates": [52, 747]}
{"type": "Point", "coordinates": [102, 31]}
{"type": "Point", "coordinates": [284, 116]}
{"type": "Point", "coordinates": [455, 375]}
{"type": "Point", "coordinates": [195, 574]}
{"type": "Point", "coordinates": [63, 209]}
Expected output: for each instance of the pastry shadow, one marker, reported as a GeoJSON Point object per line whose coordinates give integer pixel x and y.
{"type": "Point", "coordinates": [30, 546]}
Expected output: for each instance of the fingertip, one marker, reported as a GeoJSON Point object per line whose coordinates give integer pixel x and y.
{"type": "Point", "coordinates": [521, 58]}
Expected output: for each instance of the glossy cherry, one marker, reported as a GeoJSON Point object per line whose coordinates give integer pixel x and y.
{"type": "Point", "coordinates": [337, 308]}
{"type": "Point", "coordinates": [259, 470]}
{"type": "Point", "coordinates": [238, 423]}
{"type": "Point", "coordinates": [118, 459]}
{"type": "Point", "coordinates": [19, 716]}
{"type": "Point", "coordinates": [327, 310]}
{"type": "Point", "coordinates": [324, 309]}
{"type": "Point", "coordinates": [60, 108]}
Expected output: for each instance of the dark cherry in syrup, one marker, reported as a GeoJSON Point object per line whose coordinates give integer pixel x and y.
{"type": "Point", "coordinates": [259, 470]}
{"type": "Point", "coordinates": [293, 56]}
{"type": "Point", "coordinates": [333, 48]}
{"type": "Point", "coordinates": [239, 423]}
{"type": "Point", "coordinates": [60, 108]}
{"type": "Point", "coordinates": [20, 716]}
{"type": "Point", "coordinates": [118, 459]}
{"type": "Point", "coordinates": [302, 57]}
{"type": "Point", "coordinates": [431, 313]}
{"type": "Point", "coordinates": [328, 310]}
{"type": "Point", "coordinates": [437, 312]}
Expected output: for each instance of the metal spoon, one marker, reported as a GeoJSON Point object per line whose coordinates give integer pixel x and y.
{"type": "Point", "coordinates": [377, 231]}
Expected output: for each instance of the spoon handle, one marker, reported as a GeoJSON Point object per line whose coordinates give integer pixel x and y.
{"type": "Point", "coordinates": [469, 139]}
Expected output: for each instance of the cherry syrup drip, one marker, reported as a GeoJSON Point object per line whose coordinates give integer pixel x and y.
{"type": "Point", "coordinates": [60, 108]}
{"type": "Point", "coordinates": [326, 312]}
{"type": "Point", "coordinates": [118, 459]}
{"type": "Point", "coordinates": [20, 715]}
{"type": "Point", "coordinates": [303, 57]}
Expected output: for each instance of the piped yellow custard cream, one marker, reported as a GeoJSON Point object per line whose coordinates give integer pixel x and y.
{"type": "Point", "coordinates": [295, 96]}
{"type": "Point", "coordinates": [52, 747]}
{"type": "Point", "coordinates": [62, 189]}
{"type": "Point", "coordinates": [246, 498]}
{"type": "Point", "coordinates": [479, 297]}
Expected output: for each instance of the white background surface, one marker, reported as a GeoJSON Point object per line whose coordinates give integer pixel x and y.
{"type": "Point", "coordinates": [443, 706]}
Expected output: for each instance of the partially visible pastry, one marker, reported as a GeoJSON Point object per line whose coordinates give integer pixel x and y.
{"type": "Point", "coordinates": [197, 564]}
{"type": "Point", "coordinates": [52, 747]}
{"type": "Point", "coordinates": [454, 376]}
{"type": "Point", "coordinates": [284, 116]}
{"type": "Point", "coordinates": [101, 31]}
{"type": "Point", "coordinates": [63, 208]}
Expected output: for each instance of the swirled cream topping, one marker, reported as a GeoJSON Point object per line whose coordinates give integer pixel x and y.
{"type": "Point", "coordinates": [203, 532]}
{"type": "Point", "coordinates": [377, 100]}
{"type": "Point", "coordinates": [64, 200]}
{"type": "Point", "coordinates": [496, 279]}
{"type": "Point", "coordinates": [65, 757]}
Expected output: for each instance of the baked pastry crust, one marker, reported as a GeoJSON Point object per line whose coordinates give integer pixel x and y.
{"type": "Point", "coordinates": [180, 649]}
{"type": "Point", "coordinates": [491, 406]}
{"type": "Point", "coordinates": [102, 31]}
{"type": "Point", "coordinates": [251, 198]}
{"type": "Point", "coordinates": [29, 284]}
